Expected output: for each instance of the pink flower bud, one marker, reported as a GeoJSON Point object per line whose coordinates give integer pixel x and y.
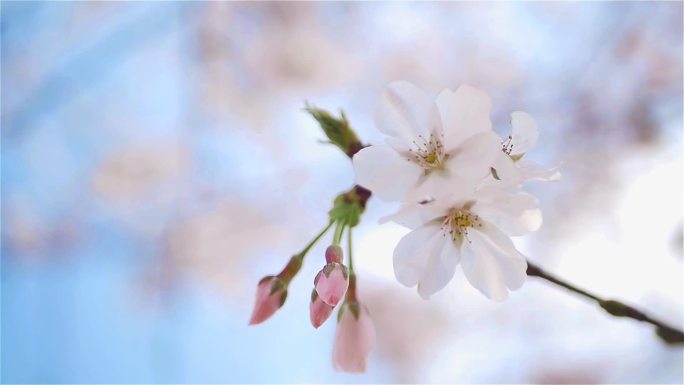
{"type": "Point", "coordinates": [270, 296]}
{"type": "Point", "coordinates": [354, 339]}
{"type": "Point", "coordinates": [319, 311]}
{"type": "Point", "coordinates": [331, 283]}
{"type": "Point", "coordinates": [334, 253]}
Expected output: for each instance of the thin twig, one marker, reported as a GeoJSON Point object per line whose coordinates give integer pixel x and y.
{"type": "Point", "coordinates": [616, 308]}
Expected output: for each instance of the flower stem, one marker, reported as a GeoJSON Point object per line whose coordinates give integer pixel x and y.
{"type": "Point", "coordinates": [337, 237]}
{"type": "Point", "coordinates": [301, 255]}
{"type": "Point", "coordinates": [616, 308]}
{"type": "Point", "coordinates": [349, 247]}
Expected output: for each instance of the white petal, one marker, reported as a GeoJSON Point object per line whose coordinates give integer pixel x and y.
{"type": "Point", "coordinates": [489, 268]}
{"type": "Point", "coordinates": [527, 222]}
{"type": "Point", "coordinates": [405, 112]}
{"type": "Point", "coordinates": [383, 171]}
{"type": "Point", "coordinates": [465, 113]}
{"type": "Point", "coordinates": [413, 252]}
{"type": "Point", "coordinates": [440, 270]}
{"type": "Point", "coordinates": [482, 269]}
{"type": "Point", "coordinates": [443, 186]}
{"type": "Point", "coordinates": [473, 159]}
{"type": "Point", "coordinates": [507, 170]}
{"type": "Point", "coordinates": [533, 171]}
{"type": "Point", "coordinates": [414, 215]}
{"type": "Point", "coordinates": [516, 213]}
{"type": "Point", "coordinates": [525, 132]}
{"type": "Point", "coordinates": [514, 264]}
{"type": "Point", "coordinates": [399, 145]}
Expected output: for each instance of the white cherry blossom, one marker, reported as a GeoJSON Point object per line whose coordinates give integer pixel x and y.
{"type": "Point", "coordinates": [471, 228]}
{"type": "Point", "coordinates": [430, 143]}
{"type": "Point", "coordinates": [509, 166]}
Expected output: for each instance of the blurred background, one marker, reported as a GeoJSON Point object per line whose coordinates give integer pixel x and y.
{"type": "Point", "coordinates": [156, 163]}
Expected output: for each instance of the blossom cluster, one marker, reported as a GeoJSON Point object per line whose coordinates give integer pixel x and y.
{"type": "Point", "coordinates": [334, 286]}
{"type": "Point", "coordinates": [459, 184]}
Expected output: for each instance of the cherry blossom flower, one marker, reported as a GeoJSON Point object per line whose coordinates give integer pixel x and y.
{"type": "Point", "coordinates": [319, 311]}
{"type": "Point", "coordinates": [470, 228]}
{"type": "Point", "coordinates": [429, 142]}
{"type": "Point", "coordinates": [509, 166]}
{"type": "Point", "coordinates": [332, 281]}
{"type": "Point", "coordinates": [270, 296]}
{"type": "Point", "coordinates": [354, 338]}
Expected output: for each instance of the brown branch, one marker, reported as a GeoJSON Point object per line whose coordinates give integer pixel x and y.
{"type": "Point", "coordinates": [667, 333]}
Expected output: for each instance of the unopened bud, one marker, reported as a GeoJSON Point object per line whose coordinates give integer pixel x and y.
{"type": "Point", "coordinates": [319, 311]}
{"type": "Point", "coordinates": [334, 253]}
{"type": "Point", "coordinates": [331, 283]}
{"type": "Point", "coordinates": [270, 296]}
{"type": "Point", "coordinates": [354, 339]}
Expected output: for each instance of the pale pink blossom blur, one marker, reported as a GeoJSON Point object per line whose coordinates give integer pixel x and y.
{"type": "Point", "coordinates": [332, 282]}
{"type": "Point", "coordinates": [354, 339]}
{"type": "Point", "coordinates": [271, 293]}
{"type": "Point", "coordinates": [319, 311]}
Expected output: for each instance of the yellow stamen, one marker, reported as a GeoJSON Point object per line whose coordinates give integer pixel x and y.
{"type": "Point", "coordinates": [431, 158]}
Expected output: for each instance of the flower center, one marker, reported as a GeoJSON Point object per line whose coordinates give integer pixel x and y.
{"type": "Point", "coordinates": [428, 152]}
{"type": "Point", "coordinates": [507, 146]}
{"type": "Point", "coordinates": [457, 222]}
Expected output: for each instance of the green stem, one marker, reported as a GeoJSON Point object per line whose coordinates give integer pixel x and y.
{"type": "Point", "coordinates": [338, 233]}
{"type": "Point", "coordinates": [301, 255]}
{"type": "Point", "coordinates": [349, 247]}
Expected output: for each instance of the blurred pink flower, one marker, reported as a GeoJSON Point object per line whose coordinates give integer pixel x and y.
{"type": "Point", "coordinates": [319, 311]}
{"type": "Point", "coordinates": [331, 283]}
{"type": "Point", "coordinates": [271, 294]}
{"type": "Point", "coordinates": [354, 339]}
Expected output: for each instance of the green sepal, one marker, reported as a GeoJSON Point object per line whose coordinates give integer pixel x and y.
{"type": "Point", "coordinates": [277, 285]}
{"type": "Point", "coordinates": [330, 267]}
{"type": "Point", "coordinates": [355, 309]}
{"type": "Point", "coordinates": [327, 269]}
{"type": "Point", "coordinates": [283, 298]}
{"type": "Point", "coordinates": [339, 312]}
{"type": "Point", "coordinates": [314, 295]}
{"type": "Point", "coordinates": [338, 130]}
{"type": "Point", "coordinates": [346, 209]}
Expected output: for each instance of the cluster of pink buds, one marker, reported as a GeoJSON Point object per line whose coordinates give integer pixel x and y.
{"type": "Point", "coordinates": [334, 284]}
{"type": "Point", "coordinates": [330, 286]}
